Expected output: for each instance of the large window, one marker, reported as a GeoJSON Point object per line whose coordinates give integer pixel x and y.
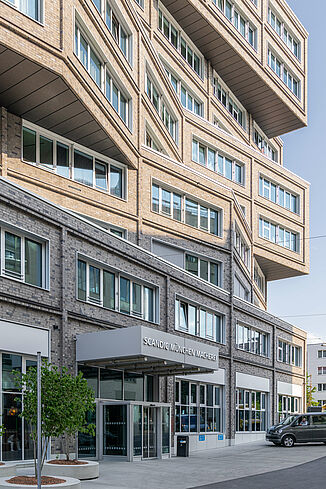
{"type": "Point", "coordinates": [252, 340]}
{"type": "Point", "coordinates": [278, 235]}
{"type": "Point", "coordinates": [265, 146]}
{"type": "Point", "coordinates": [240, 290]}
{"type": "Point", "coordinates": [213, 160]}
{"type": "Point", "coordinates": [184, 209]}
{"type": "Point", "coordinates": [88, 56]}
{"type": "Point", "coordinates": [72, 161]}
{"type": "Point", "coordinates": [283, 32]}
{"type": "Point", "coordinates": [223, 95]}
{"type": "Point", "coordinates": [284, 74]}
{"type": "Point", "coordinates": [23, 257]}
{"type": "Point", "coordinates": [288, 353]}
{"type": "Point", "coordinates": [287, 405]}
{"type": "Point", "coordinates": [112, 290]}
{"type": "Point", "coordinates": [246, 28]}
{"type": "Point", "coordinates": [198, 321]}
{"type": "Point", "coordinates": [16, 441]}
{"type": "Point", "coordinates": [119, 32]}
{"type": "Point", "coordinates": [177, 39]}
{"type": "Point", "coordinates": [279, 195]}
{"type": "Point", "coordinates": [251, 410]}
{"type": "Point", "coordinates": [117, 98]}
{"type": "Point", "coordinates": [203, 268]}
{"type": "Point", "coordinates": [242, 248]}
{"type": "Point", "coordinates": [161, 108]}
{"type": "Point", "coordinates": [198, 407]}
{"type": "Point", "coordinates": [32, 8]}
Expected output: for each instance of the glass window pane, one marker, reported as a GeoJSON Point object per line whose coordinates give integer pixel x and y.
{"type": "Point", "coordinates": [204, 269]}
{"type": "Point", "coordinates": [95, 68]}
{"type": "Point", "coordinates": [192, 264]}
{"type": "Point", "coordinates": [214, 275]}
{"type": "Point", "coordinates": [46, 151]}
{"type": "Point", "coordinates": [10, 363]}
{"type": "Point", "coordinates": [211, 159]}
{"type": "Point", "coordinates": [29, 145]}
{"type": "Point", "coordinates": [63, 160]}
{"type": "Point", "coordinates": [13, 254]}
{"type": "Point", "coordinates": [177, 207]}
{"type": "Point", "coordinates": [101, 175]}
{"type": "Point", "coordinates": [94, 283]}
{"type": "Point", "coordinates": [123, 108]}
{"type": "Point", "coordinates": [110, 384]}
{"type": "Point", "coordinates": [91, 375]}
{"type": "Point", "coordinates": [228, 168]}
{"type": "Point", "coordinates": [166, 202]}
{"type": "Point", "coordinates": [12, 439]}
{"type": "Point", "coordinates": [192, 323]}
{"type": "Point", "coordinates": [124, 295]}
{"type": "Point", "coordinates": [116, 185]}
{"type": "Point", "coordinates": [115, 97]}
{"type": "Point", "coordinates": [33, 262]}
{"type": "Point", "coordinates": [133, 387]}
{"type": "Point", "coordinates": [191, 213]}
{"type": "Point", "coordinates": [108, 290]}
{"type": "Point", "coordinates": [83, 168]}
{"type": "Point", "coordinates": [136, 299]}
{"type": "Point", "coordinates": [83, 51]}
{"type": "Point", "coordinates": [214, 222]}
{"type": "Point", "coordinates": [148, 304]}
{"type": "Point", "coordinates": [155, 198]}
{"type": "Point", "coordinates": [30, 8]}
{"type": "Point", "coordinates": [81, 280]}
{"type": "Point", "coordinates": [203, 218]}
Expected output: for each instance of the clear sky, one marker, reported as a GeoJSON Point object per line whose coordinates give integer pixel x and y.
{"type": "Point", "coordinates": [304, 154]}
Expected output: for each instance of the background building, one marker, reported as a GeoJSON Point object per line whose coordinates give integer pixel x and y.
{"type": "Point", "coordinates": [146, 137]}
{"type": "Point", "coordinates": [316, 369]}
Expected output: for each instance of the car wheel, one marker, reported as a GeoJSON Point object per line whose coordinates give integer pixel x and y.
{"type": "Point", "coordinates": [288, 441]}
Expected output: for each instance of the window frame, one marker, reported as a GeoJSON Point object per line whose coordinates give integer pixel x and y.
{"type": "Point", "coordinates": [265, 183]}
{"type": "Point", "coordinates": [40, 9]}
{"type": "Point", "coordinates": [235, 13]}
{"type": "Point", "coordinates": [230, 100]}
{"type": "Point", "coordinates": [284, 28]}
{"type": "Point", "coordinates": [275, 229]}
{"type": "Point", "coordinates": [286, 353]}
{"type": "Point", "coordinates": [252, 344]}
{"type": "Point", "coordinates": [281, 70]}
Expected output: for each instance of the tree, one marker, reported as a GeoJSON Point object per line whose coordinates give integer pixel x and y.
{"type": "Point", "coordinates": [65, 400]}
{"type": "Point", "coordinates": [2, 430]}
{"type": "Point", "coordinates": [310, 390]}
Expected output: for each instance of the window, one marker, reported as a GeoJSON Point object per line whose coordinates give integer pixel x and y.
{"type": "Point", "coordinates": [62, 156]}
{"type": "Point", "coordinates": [321, 353]}
{"type": "Point", "coordinates": [265, 147]}
{"type": "Point", "coordinates": [119, 32]}
{"type": "Point", "coordinates": [246, 29]}
{"type": "Point", "coordinates": [278, 235]}
{"type": "Point", "coordinates": [252, 341]}
{"type": "Point", "coordinates": [290, 354]}
{"type": "Point", "coordinates": [259, 278]}
{"type": "Point", "coordinates": [190, 102]}
{"type": "Point", "coordinates": [321, 387]}
{"type": "Point", "coordinates": [23, 257]}
{"type": "Point", "coordinates": [225, 166]}
{"type": "Point", "coordinates": [241, 290]}
{"type": "Point", "coordinates": [177, 39]}
{"type": "Point", "coordinates": [321, 370]}
{"type": "Point", "coordinates": [31, 8]}
{"type": "Point", "coordinates": [195, 320]}
{"type": "Point", "coordinates": [222, 94]}
{"type": "Point", "coordinates": [161, 107]}
{"type": "Point", "coordinates": [251, 410]}
{"type": "Point", "coordinates": [184, 209]}
{"type": "Point", "coordinates": [112, 290]}
{"type": "Point", "coordinates": [198, 407]}
{"type": "Point", "coordinates": [88, 56]}
{"type": "Point", "coordinates": [152, 142]}
{"type": "Point", "coordinates": [283, 32]}
{"type": "Point", "coordinates": [119, 101]}
{"type": "Point", "coordinates": [205, 269]}
{"type": "Point", "coordinates": [288, 405]}
{"type": "Point", "coordinates": [279, 195]}
{"type": "Point", "coordinates": [242, 248]}
{"type": "Point", "coordinates": [284, 74]}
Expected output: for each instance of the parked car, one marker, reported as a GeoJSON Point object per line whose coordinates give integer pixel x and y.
{"type": "Point", "coordinates": [299, 428]}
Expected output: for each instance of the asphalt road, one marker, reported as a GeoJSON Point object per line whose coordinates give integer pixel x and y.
{"type": "Point", "coordinates": [311, 475]}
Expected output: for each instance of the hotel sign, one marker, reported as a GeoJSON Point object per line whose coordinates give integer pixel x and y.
{"type": "Point", "coordinates": [177, 348]}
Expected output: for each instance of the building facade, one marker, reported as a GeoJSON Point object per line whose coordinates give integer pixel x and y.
{"type": "Point", "coordinates": [316, 369]}
{"type": "Point", "coordinates": [142, 184]}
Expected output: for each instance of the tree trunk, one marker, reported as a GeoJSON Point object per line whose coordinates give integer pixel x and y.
{"type": "Point", "coordinates": [67, 447]}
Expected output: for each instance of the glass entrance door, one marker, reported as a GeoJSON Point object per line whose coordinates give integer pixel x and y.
{"type": "Point", "coordinates": [115, 429]}
{"type": "Point", "coordinates": [149, 432]}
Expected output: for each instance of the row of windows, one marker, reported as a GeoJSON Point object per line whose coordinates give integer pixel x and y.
{"type": "Point", "coordinates": [246, 29]}
{"type": "Point", "coordinates": [217, 162]}
{"type": "Point", "coordinates": [120, 102]}
{"type": "Point", "coordinates": [278, 235]}
{"type": "Point", "coordinates": [113, 291]}
{"type": "Point", "coordinates": [279, 195]}
{"type": "Point", "coordinates": [287, 405]}
{"type": "Point", "coordinates": [184, 209]}
{"type": "Point", "coordinates": [251, 340]}
{"type": "Point", "coordinates": [119, 33]}
{"type": "Point", "coordinates": [242, 248]}
{"type": "Point", "coordinates": [67, 161]}
{"type": "Point", "coordinates": [321, 353]}
{"type": "Point", "coordinates": [265, 146]}
{"type": "Point", "coordinates": [321, 370]}
{"type": "Point", "coordinates": [188, 100]}
{"type": "Point", "coordinates": [205, 269]}
{"type": "Point", "coordinates": [224, 97]}
{"type": "Point", "coordinates": [161, 108]}
{"type": "Point", "coordinates": [284, 74]}
{"type": "Point", "coordinates": [290, 354]}
{"type": "Point", "coordinates": [175, 37]}
{"type": "Point", "coordinates": [251, 410]}
{"type": "Point", "coordinates": [283, 32]}
{"type": "Point", "coordinates": [198, 407]}
{"type": "Point", "coordinates": [199, 322]}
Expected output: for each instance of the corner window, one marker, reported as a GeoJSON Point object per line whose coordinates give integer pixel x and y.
{"type": "Point", "coordinates": [23, 258]}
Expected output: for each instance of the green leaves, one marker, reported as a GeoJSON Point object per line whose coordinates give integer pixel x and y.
{"type": "Point", "coordinates": [2, 429]}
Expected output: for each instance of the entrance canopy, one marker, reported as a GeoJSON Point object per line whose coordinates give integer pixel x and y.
{"type": "Point", "coordinates": [147, 350]}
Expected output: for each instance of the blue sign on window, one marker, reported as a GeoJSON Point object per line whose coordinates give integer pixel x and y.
{"type": "Point", "coordinates": [220, 437]}
{"type": "Point", "coordinates": [201, 437]}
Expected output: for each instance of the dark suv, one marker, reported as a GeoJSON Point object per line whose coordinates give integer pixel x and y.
{"type": "Point", "coordinates": [298, 428]}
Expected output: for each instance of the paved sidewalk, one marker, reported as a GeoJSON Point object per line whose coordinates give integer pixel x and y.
{"type": "Point", "coordinates": [210, 467]}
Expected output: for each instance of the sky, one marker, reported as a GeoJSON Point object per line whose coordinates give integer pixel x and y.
{"type": "Point", "coordinates": [302, 300]}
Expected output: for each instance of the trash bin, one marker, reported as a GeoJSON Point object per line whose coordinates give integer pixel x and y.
{"type": "Point", "coordinates": [183, 446]}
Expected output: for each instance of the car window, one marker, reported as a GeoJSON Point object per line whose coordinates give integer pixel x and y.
{"type": "Point", "coordinates": [319, 419]}
{"type": "Point", "coordinates": [302, 421]}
